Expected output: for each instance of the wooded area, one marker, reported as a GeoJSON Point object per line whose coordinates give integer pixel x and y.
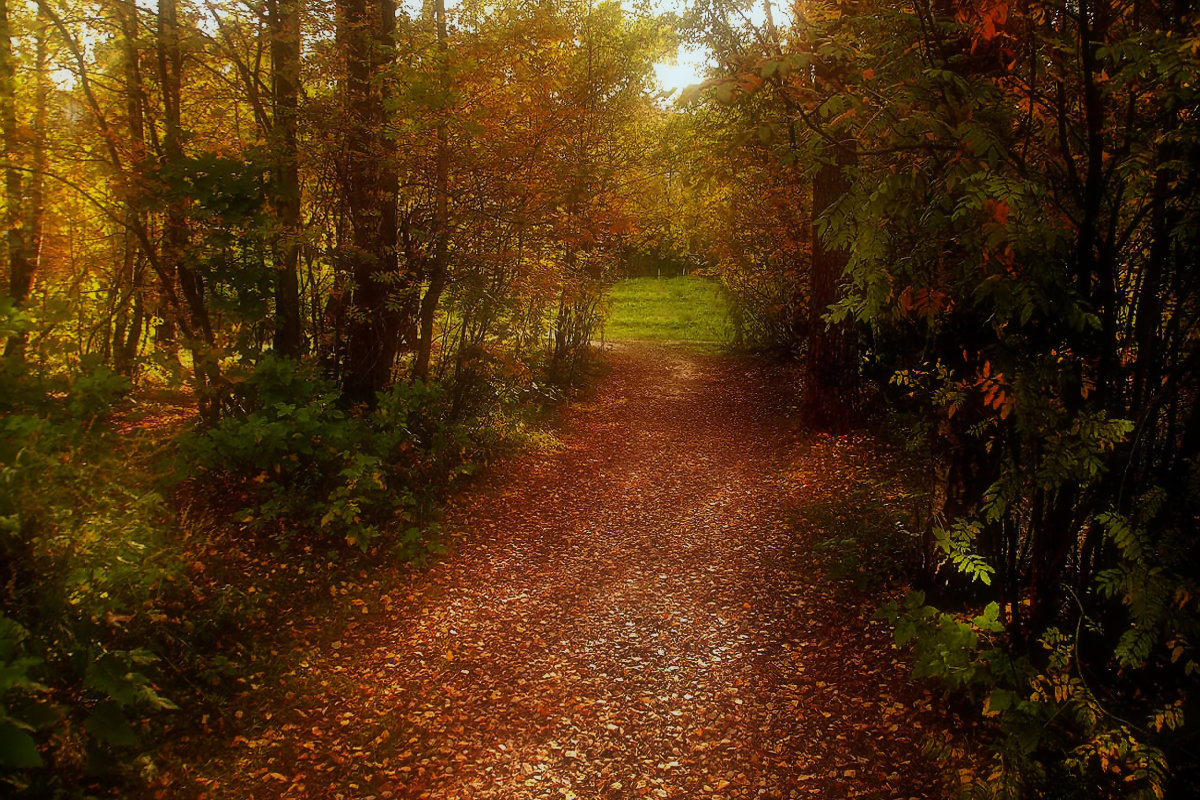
{"type": "Point", "coordinates": [314, 262]}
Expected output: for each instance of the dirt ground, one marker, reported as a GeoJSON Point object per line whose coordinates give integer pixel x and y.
{"type": "Point", "coordinates": [636, 613]}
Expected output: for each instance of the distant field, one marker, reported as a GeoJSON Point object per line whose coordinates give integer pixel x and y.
{"type": "Point", "coordinates": [687, 308]}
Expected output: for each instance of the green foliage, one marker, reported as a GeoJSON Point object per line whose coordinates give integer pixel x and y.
{"type": "Point", "coordinates": [13, 320]}
{"type": "Point", "coordinates": [20, 711]}
{"type": "Point", "coordinates": [1051, 734]}
{"type": "Point", "coordinates": [1155, 580]}
{"type": "Point", "coordinates": [113, 676]}
{"type": "Point", "coordinates": [958, 543]}
{"type": "Point", "coordinates": [308, 466]}
{"type": "Point", "coordinates": [230, 234]}
{"type": "Point", "coordinates": [949, 647]}
{"type": "Point", "coordinates": [85, 566]}
{"type": "Point", "coordinates": [94, 392]}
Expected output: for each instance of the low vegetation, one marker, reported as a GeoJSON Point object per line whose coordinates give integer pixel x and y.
{"type": "Point", "coordinates": [142, 556]}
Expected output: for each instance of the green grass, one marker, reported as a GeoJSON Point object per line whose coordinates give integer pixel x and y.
{"type": "Point", "coordinates": [680, 309]}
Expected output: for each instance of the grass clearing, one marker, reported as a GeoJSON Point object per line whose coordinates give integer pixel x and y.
{"type": "Point", "coordinates": [669, 309]}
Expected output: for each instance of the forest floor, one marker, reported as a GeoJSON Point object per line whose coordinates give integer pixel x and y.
{"type": "Point", "coordinates": [636, 612]}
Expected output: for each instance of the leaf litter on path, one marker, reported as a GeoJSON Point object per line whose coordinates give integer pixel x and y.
{"type": "Point", "coordinates": [632, 615]}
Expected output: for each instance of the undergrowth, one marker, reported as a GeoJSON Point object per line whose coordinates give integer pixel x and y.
{"type": "Point", "coordinates": [88, 572]}
{"type": "Point", "coordinates": [144, 574]}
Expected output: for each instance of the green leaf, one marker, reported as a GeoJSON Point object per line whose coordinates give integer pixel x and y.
{"type": "Point", "coordinates": [156, 701]}
{"type": "Point", "coordinates": [990, 619]}
{"type": "Point", "coordinates": [142, 657]}
{"type": "Point", "coordinates": [17, 748]}
{"type": "Point", "coordinates": [110, 675]}
{"type": "Point", "coordinates": [999, 700]}
{"type": "Point", "coordinates": [107, 724]}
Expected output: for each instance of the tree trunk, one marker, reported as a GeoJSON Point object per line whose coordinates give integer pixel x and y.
{"type": "Point", "coordinates": [831, 359]}
{"type": "Point", "coordinates": [176, 238]}
{"type": "Point", "coordinates": [372, 323]}
{"type": "Point", "coordinates": [127, 291]}
{"type": "Point", "coordinates": [441, 217]}
{"type": "Point", "coordinates": [285, 88]}
{"type": "Point", "coordinates": [17, 238]}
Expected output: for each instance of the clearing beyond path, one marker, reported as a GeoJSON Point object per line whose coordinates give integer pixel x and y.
{"type": "Point", "coordinates": [636, 614]}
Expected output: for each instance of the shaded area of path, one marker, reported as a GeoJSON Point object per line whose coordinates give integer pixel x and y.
{"type": "Point", "coordinates": [631, 615]}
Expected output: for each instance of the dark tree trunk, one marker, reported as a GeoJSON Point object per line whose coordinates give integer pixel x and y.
{"type": "Point", "coordinates": [439, 265]}
{"type": "Point", "coordinates": [831, 384]}
{"type": "Point", "coordinates": [365, 33]}
{"type": "Point", "coordinates": [194, 321]}
{"type": "Point", "coordinates": [285, 76]}
{"type": "Point", "coordinates": [127, 294]}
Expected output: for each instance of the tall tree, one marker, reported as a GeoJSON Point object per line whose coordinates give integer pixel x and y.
{"type": "Point", "coordinates": [19, 210]}
{"type": "Point", "coordinates": [439, 263]}
{"type": "Point", "coordinates": [196, 323]}
{"type": "Point", "coordinates": [366, 30]}
{"type": "Point", "coordinates": [284, 16]}
{"type": "Point", "coordinates": [127, 298]}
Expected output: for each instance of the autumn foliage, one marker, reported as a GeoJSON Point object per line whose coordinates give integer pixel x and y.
{"type": "Point", "coordinates": [348, 248]}
{"type": "Point", "coordinates": [362, 243]}
{"type": "Point", "coordinates": [1021, 230]}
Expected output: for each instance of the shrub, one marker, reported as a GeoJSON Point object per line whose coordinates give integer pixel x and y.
{"type": "Point", "coordinates": [1053, 735]}
{"type": "Point", "coordinates": [83, 562]}
{"type": "Point", "coordinates": [306, 464]}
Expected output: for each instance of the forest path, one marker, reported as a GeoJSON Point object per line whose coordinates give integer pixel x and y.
{"type": "Point", "coordinates": [634, 614]}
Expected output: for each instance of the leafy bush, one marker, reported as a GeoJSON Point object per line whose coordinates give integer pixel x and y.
{"type": "Point", "coordinates": [1053, 734]}
{"type": "Point", "coordinates": [305, 464]}
{"type": "Point", "coordinates": [84, 567]}
{"type": "Point", "coordinates": [21, 712]}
